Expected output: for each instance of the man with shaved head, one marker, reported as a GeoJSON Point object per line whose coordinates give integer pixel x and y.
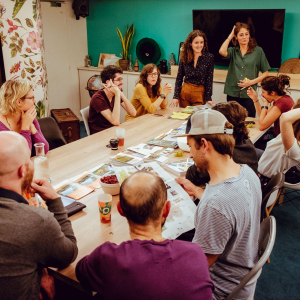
{"type": "Point", "coordinates": [31, 238]}
{"type": "Point", "coordinates": [147, 266]}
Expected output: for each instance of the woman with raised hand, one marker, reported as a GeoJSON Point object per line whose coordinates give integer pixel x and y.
{"type": "Point", "coordinates": [273, 90]}
{"type": "Point", "coordinates": [17, 112]}
{"type": "Point", "coordinates": [283, 152]}
{"type": "Point", "coordinates": [197, 69]}
{"type": "Point", "coordinates": [246, 61]}
{"type": "Point", "coordinates": [148, 95]}
{"type": "Point", "coordinates": [243, 152]}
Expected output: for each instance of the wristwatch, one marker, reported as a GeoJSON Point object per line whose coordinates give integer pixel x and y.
{"type": "Point", "coordinates": [264, 106]}
{"type": "Point", "coordinates": [162, 96]}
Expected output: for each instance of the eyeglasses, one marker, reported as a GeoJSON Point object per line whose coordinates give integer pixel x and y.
{"type": "Point", "coordinates": [120, 79]}
{"type": "Point", "coordinates": [29, 98]}
{"type": "Point", "coordinates": [153, 74]}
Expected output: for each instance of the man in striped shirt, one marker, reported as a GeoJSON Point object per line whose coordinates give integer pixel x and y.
{"type": "Point", "coordinates": [227, 220]}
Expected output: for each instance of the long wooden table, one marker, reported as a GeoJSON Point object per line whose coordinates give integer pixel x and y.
{"type": "Point", "coordinates": [84, 154]}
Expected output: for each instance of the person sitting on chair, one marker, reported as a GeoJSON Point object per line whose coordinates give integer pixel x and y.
{"type": "Point", "coordinates": [227, 220]}
{"type": "Point", "coordinates": [105, 104]}
{"type": "Point", "coordinates": [31, 238]}
{"type": "Point", "coordinates": [17, 112]}
{"type": "Point", "coordinates": [283, 152]}
{"type": "Point", "coordinates": [147, 266]}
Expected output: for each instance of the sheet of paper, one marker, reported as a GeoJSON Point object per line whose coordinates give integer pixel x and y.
{"type": "Point", "coordinates": [179, 115]}
{"type": "Point", "coordinates": [72, 189]}
{"type": "Point", "coordinates": [89, 179]}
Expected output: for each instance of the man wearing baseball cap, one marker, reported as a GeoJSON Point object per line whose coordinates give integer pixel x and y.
{"type": "Point", "coordinates": [227, 219]}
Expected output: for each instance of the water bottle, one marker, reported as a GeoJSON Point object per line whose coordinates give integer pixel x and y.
{"type": "Point", "coordinates": [41, 164]}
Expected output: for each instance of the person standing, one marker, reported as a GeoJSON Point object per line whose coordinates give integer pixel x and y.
{"type": "Point", "coordinates": [197, 69]}
{"type": "Point", "coordinates": [148, 95]}
{"type": "Point", "coordinates": [246, 61]}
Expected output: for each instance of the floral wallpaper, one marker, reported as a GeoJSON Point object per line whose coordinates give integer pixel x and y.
{"type": "Point", "coordinates": [22, 42]}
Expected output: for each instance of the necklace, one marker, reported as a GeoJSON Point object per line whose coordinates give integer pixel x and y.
{"type": "Point", "coordinates": [7, 122]}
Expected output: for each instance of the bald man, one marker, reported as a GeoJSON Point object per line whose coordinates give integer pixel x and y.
{"type": "Point", "coordinates": [31, 238]}
{"type": "Point", "coordinates": [148, 266]}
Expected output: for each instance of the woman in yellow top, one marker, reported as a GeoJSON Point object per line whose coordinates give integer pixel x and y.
{"type": "Point", "coordinates": [147, 96]}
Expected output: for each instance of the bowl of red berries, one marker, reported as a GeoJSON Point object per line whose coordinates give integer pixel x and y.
{"type": "Point", "coordinates": [110, 184]}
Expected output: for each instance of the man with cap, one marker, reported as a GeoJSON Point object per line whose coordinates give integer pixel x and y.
{"type": "Point", "coordinates": [227, 220]}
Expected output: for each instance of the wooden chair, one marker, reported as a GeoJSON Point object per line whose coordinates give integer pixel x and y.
{"type": "Point", "coordinates": [85, 116]}
{"type": "Point", "coordinates": [265, 246]}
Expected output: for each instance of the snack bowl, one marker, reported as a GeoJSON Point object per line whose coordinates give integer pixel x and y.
{"type": "Point", "coordinates": [110, 188]}
{"type": "Point", "coordinates": [182, 143]}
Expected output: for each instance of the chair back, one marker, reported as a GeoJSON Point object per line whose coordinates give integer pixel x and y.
{"type": "Point", "coordinates": [273, 185]}
{"type": "Point", "coordinates": [51, 132]}
{"type": "Point", "coordinates": [85, 116]}
{"type": "Point", "coordinates": [266, 242]}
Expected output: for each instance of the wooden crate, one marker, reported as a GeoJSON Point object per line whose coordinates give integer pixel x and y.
{"type": "Point", "coordinates": [68, 123]}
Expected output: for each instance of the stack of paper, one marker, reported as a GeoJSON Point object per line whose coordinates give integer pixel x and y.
{"type": "Point", "coordinates": [179, 167]}
{"type": "Point", "coordinates": [123, 159]}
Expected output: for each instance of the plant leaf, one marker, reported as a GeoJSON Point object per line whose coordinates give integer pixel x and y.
{"type": "Point", "coordinates": [122, 42]}
{"type": "Point", "coordinates": [17, 7]}
{"type": "Point", "coordinates": [32, 76]}
{"type": "Point", "coordinates": [13, 53]}
{"type": "Point", "coordinates": [23, 74]}
{"type": "Point", "coordinates": [12, 46]}
{"type": "Point", "coordinates": [13, 38]}
{"type": "Point", "coordinates": [21, 42]}
{"type": "Point", "coordinates": [30, 70]}
{"type": "Point", "coordinates": [34, 9]}
{"type": "Point", "coordinates": [31, 63]}
{"type": "Point", "coordinates": [1, 24]}
{"type": "Point", "coordinates": [38, 63]}
{"type": "Point", "coordinates": [17, 20]}
{"type": "Point", "coordinates": [24, 55]}
{"type": "Point", "coordinates": [26, 62]}
{"type": "Point", "coordinates": [16, 34]}
{"type": "Point", "coordinates": [19, 49]}
{"type": "Point", "coordinates": [29, 23]}
{"type": "Point", "coordinates": [28, 78]}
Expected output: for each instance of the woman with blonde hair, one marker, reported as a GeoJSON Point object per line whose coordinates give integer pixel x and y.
{"type": "Point", "coordinates": [246, 61]}
{"type": "Point", "coordinates": [197, 69]}
{"type": "Point", "coordinates": [17, 111]}
{"type": "Point", "coordinates": [148, 95]}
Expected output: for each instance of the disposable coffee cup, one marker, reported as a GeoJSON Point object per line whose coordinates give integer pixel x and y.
{"type": "Point", "coordinates": [104, 202]}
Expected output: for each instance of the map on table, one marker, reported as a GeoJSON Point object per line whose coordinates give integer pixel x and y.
{"type": "Point", "coordinates": [183, 209]}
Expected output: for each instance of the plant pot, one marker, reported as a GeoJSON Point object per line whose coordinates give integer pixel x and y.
{"type": "Point", "coordinates": [124, 63]}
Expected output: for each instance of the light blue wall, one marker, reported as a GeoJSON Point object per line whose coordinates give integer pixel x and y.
{"type": "Point", "coordinates": [169, 22]}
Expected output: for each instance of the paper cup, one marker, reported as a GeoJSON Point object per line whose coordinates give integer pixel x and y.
{"type": "Point", "coordinates": [104, 202]}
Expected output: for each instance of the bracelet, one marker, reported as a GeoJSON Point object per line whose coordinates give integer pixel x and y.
{"type": "Point", "coordinates": [256, 101]}
{"type": "Point", "coordinates": [264, 106]}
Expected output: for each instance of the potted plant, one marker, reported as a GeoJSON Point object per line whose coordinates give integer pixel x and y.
{"type": "Point", "coordinates": [126, 42]}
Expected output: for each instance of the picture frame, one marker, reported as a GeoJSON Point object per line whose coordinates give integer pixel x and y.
{"type": "Point", "coordinates": [102, 57]}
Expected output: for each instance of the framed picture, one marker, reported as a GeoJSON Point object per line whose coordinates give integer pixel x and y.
{"type": "Point", "coordinates": [102, 57]}
{"type": "Point", "coordinates": [180, 48]}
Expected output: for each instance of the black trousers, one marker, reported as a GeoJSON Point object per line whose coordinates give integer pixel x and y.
{"type": "Point", "coordinates": [245, 102]}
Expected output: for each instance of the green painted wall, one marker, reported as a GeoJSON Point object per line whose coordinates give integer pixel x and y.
{"type": "Point", "coordinates": [169, 22]}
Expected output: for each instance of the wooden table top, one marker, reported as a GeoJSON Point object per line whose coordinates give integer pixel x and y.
{"type": "Point", "coordinates": [72, 159]}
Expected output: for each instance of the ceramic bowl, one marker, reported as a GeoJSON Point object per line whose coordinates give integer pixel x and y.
{"type": "Point", "coordinates": [112, 189]}
{"type": "Point", "coordinates": [182, 143]}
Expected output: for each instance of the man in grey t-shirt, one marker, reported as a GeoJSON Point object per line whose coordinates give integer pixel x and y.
{"type": "Point", "coordinates": [227, 220]}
